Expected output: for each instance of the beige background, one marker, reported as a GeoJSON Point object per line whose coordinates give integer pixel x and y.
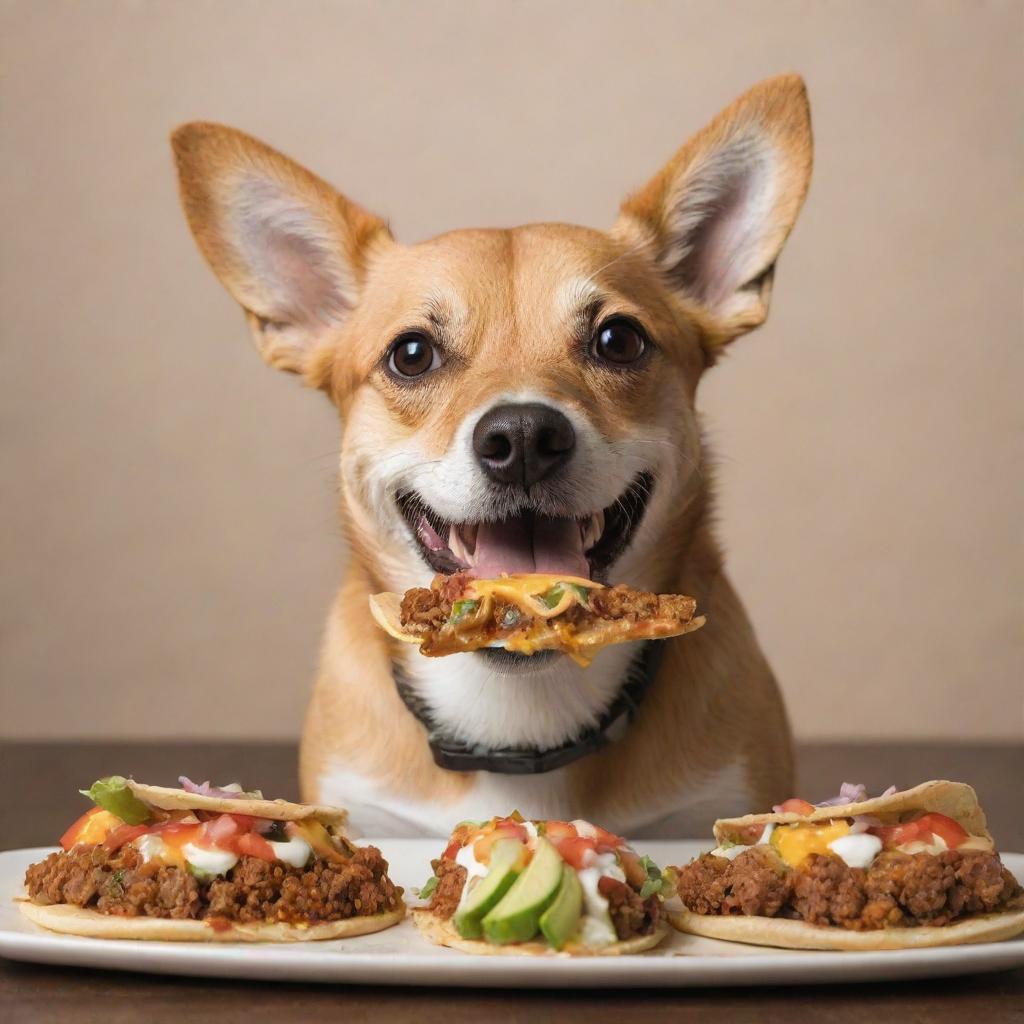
{"type": "Point", "coordinates": [169, 544]}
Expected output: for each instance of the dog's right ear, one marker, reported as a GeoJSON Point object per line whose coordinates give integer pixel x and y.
{"type": "Point", "coordinates": [287, 246]}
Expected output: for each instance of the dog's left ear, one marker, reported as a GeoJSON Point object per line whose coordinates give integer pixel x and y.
{"type": "Point", "coordinates": [716, 216]}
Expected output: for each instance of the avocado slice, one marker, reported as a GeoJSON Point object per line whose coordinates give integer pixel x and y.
{"type": "Point", "coordinates": [561, 921]}
{"type": "Point", "coordinates": [503, 870]}
{"type": "Point", "coordinates": [517, 916]}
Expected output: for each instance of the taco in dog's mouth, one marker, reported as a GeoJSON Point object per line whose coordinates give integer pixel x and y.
{"type": "Point", "coordinates": [514, 887]}
{"type": "Point", "coordinates": [205, 863]}
{"type": "Point", "coordinates": [530, 612]}
{"type": "Point", "coordinates": [903, 870]}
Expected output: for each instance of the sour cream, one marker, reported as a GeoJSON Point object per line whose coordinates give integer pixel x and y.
{"type": "Point", "coordinates": [212, 862]}
{"type": "Point", "coordinates": [466, 858]}
{"type": "Point", "coordinates": [150, 846]}
{"type": "Point", "coordinates": [858, 849]}
{"type": "Point", "coordinates": [294, 852]}
{"type": "Point", "coordinates": [584, 829]}
{"type": "Point", "coordinates": [596, 928]}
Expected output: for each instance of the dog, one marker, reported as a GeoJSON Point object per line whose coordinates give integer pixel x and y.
{"type": "Point", "coordinates": [520, 400]}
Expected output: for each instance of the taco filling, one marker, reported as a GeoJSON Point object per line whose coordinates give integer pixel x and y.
{"type": "Point", "coordinates": [895, 862]}
{"type": "Point", "coordinates": [188, 855]}
{"type": "Point", "coordinates": [541, 885]}
{"type": "Point", "coordinates": [530, 612]}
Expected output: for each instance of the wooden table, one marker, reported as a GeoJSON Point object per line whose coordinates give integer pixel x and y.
{"type": "Point", "coordinates": [40, 783]}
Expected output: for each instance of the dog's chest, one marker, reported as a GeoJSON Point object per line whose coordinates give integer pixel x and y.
{"type": "Point", "coordinates": [378, 813]}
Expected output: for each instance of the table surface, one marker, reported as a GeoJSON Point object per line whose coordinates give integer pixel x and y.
{"type": "Point", "coordinates": [42, 780]}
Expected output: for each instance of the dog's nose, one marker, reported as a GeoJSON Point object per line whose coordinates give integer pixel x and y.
{"type": "Point", "coordinates": [524, 443]}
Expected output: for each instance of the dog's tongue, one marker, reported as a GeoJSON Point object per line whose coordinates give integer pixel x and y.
{"type": "Point", "coordinates": [520, 545]}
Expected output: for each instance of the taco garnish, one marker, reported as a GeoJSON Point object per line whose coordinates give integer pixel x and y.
{"type": "Point", "coordinates": [511, 886]}
{"type": "Point", "coordinates": [530, 612]}
{"type": "Point", "coordinates": [213, 863]}
{"type": "Point", "coordinates": [906, 869]}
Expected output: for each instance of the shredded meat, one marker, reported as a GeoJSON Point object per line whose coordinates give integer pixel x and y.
{"type": "Point", "coordinates": [622, 602]}
{"type": "Point", "coordinates": [897, 889]}
{"type": "Point", "coordinates": [253, 890]}
{"type": "Point", "coordinates": [630, 914]}
{"type": "Point", "coordinates": [451, 879]}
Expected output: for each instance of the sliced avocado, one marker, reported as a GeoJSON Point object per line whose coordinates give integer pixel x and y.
{"type": "Point", "coordinates": [517, 916]}
{"type": "Point", "coordinates": [561, 921]}
{"type": "Point", "coordinates": [503, 870]}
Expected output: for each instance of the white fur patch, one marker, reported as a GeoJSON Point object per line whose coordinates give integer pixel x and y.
{"type": "Point", "coordinates": [374, 812]}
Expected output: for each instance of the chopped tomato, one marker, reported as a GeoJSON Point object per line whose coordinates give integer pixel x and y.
{"type": "Point", "coordinates": [70, 837]}
{"type": "Point", "coordinates": [608, 839]}
{"type": "Point", "coordinates": [451, 851]}
{"type": "Point", "coordinates": [948, 830]}
{"type": "Point", "coordinates": [250, 844]}
{"type": "Point", "coordinates": [221, 832]}
{"type": "Point", "coordinates": [794, 805]}
{"type": "Point", "coordinates": [556, 831]}
{"type": "Point", "coordinates": [577, 852]}
{"type": "Point", "coordinates": [123, 834]}
{"type": "Point", "coordinates": [896, 835]}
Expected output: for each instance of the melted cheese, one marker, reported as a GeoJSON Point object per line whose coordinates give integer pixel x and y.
{"type": "Point", "coordinates": [795, 843]}
{"type": "Point", "coordinates": [522, 590]}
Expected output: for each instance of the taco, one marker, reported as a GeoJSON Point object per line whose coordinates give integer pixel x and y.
{"type": "Point", "coordinates": [530, 612]}
{"type": "Point", "coordinates": [532, 888]}
{"type": "Point", "coordinates": [205, 863]}
{"type": "Point", "coordinates": [903, 870]}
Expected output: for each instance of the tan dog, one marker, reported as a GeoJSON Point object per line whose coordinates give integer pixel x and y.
{"type": "Point", "coordinates": [515, 400]}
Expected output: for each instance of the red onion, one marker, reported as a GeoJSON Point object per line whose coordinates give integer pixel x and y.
{"type": "Point", "coordinates": [205, 789]}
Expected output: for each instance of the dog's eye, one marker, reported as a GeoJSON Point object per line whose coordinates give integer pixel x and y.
{"type": "Point", "coordinates": [619, 342]}
{"type": "Point", "coordinates": [413, 355]}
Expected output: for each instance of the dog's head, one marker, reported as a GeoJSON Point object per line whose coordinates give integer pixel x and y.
{"type": "Point", "coordinates": [517, 400]}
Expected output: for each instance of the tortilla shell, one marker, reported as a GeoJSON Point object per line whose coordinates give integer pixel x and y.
{"type": "Point", "coordinates": [386, 611]}
{"type": "Point", "coordinates": [167, 799]}
{"type": "Point", "coordinates": [442, 932]}
{"type": "Point", "coordinates": [788, 934]}
{"type": "Point", "coordinates": [954, 799]}
{"type": "Point", "coordinates": [72, 920]}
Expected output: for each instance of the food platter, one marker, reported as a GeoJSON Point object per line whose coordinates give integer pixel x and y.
{"type": "Point", "coordinates": [401, 956]}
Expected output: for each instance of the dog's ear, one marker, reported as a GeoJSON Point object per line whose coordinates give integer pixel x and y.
{"type": "Point", "coordinates": [716, 216]}
{"type": "Point", "coordinates": [287, 246]}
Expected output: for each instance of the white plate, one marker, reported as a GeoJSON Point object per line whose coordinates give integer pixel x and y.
{"type": "Point", "coordinates": [399, 956]}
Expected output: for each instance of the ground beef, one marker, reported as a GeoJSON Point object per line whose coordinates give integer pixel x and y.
{"type": "Point", "coordinates": [426, 610]}
{"type": "Point", "coordinates": [630, 914]}
{"type": "Point", "coordinates": [451, 880]}
{"type": "Point", "coordinates": [253, 890]}
{"type": "Point", "coordinates": [896, 890]}
{"type": "Point", "coordinates": [754, 884]}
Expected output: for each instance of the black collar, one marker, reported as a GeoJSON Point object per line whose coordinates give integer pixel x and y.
{"type": "Point", "coordinates": [449, 753]}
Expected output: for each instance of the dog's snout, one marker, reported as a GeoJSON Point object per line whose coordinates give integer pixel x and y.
{"type": "Point", "coordinates": [524, 443]}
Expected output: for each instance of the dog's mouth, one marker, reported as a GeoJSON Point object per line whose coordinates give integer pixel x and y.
{"type": "Point", "coordinates": [528, 541]}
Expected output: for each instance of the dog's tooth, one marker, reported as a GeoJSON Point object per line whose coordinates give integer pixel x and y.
{"type": "Point", "coordinates": [457, 547]}
{"type": "Point", "coordinates": [592, 530]}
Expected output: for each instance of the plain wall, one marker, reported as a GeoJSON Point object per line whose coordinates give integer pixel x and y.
{"type": "Point", "coordinates": [169, 542]}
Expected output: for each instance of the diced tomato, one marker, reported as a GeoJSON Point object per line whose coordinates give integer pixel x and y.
{"type": "Point", "coordinates": [250, 844]}
{"type": "Point", "coordinates": [70, 837]}
{"type": "Point", "coordinates": [578, 851]}
{"type": "Point", "coordinates": [608, 839]}
{"type": "Point", "coordinates": [451, 851]}
{"type": "Point", "coordinates": [124, 834]}
{"type": "Point", "coordinates": [556, 831]}
{"type": "Point", "coordinates": [896, 835]}
{"type": "Point", "coordinates": [221, 832]}
{"type": "Point", "coordinates": [948, 830]}
{"type": "Point", "coordinates": [794, 805]}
